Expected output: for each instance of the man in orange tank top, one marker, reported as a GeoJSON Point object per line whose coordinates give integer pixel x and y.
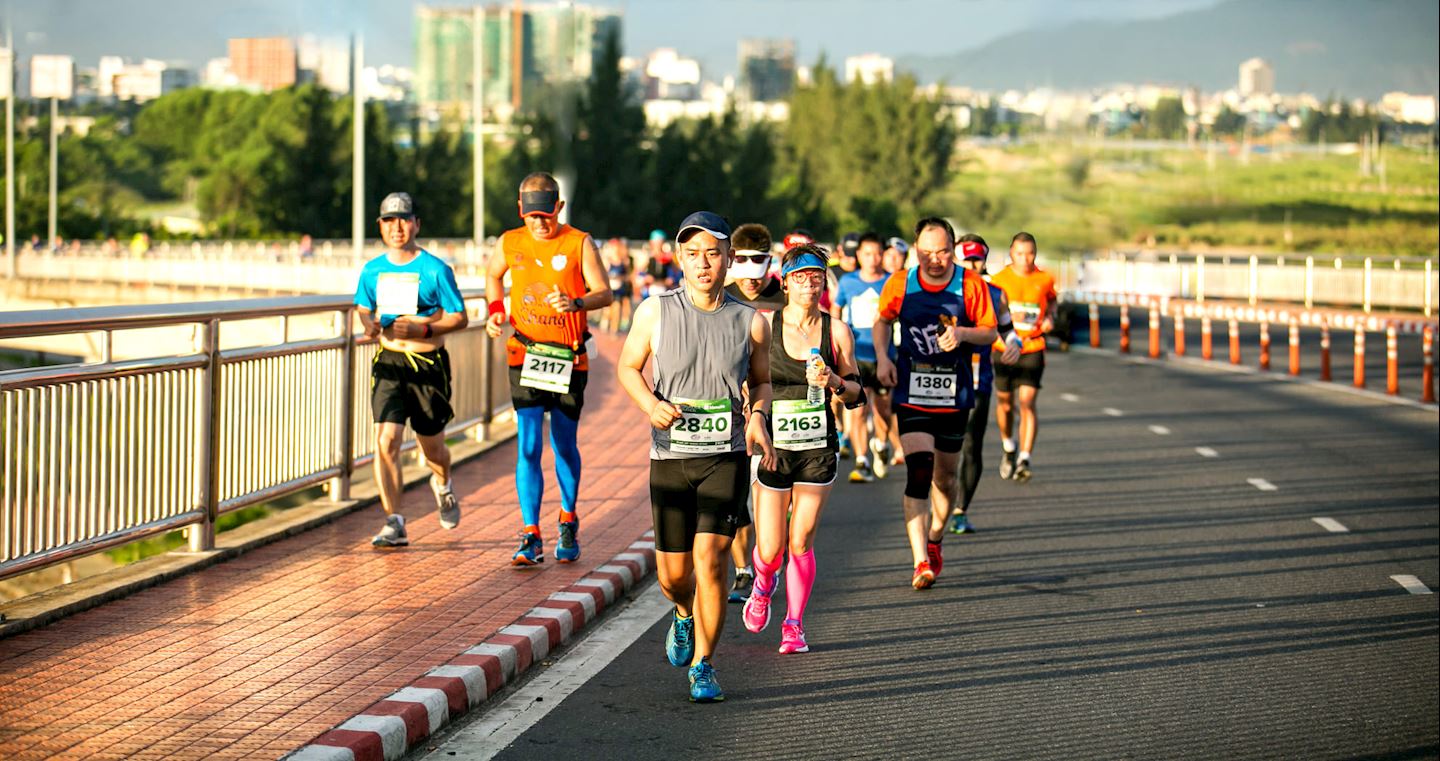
{"type": "Point", "coordinates": [1031, 293]}
{"type": "Point", "coordinates": [556, 276]}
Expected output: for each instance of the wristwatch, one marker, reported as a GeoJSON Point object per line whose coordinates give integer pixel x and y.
{"type": "Point", "coordinates": [578, 304]}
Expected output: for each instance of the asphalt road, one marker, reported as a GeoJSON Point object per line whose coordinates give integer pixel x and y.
{"type": "Point", "coordinates": [1136, 599]}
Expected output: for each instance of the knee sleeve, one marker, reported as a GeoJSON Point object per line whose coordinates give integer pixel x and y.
{"type": "Point", "coordinates": [919, 471]}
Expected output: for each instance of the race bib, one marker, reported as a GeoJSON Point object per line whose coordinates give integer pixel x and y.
{"type": "Point", "coordinates": [864, 309]}
{"type": "Point", "coordinates": [1025, 315]}
{"type": "Point", "coordinates": [703, 427]}
{"type": "Point", "coordinates": [547, 368]}
{"type": "Point", "coordinates": [798, 425]}
{"type": "Point", "coordinates": [932, 386]}
{"type": "Point", "coordinates": [397, 293]}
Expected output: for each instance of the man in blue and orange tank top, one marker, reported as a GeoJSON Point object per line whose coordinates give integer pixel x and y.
{"type": "Point", "coordinates": [945, 315]}
{"type": "Point", "coordinates": [556, 276]}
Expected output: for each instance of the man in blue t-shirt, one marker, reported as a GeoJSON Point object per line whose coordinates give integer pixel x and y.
{"type": "Point", "coordinates": [407, 299]}
{"type": "Point", "coordinates": [857, 302]}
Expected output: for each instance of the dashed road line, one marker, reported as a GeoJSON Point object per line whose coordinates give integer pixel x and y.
{"type": "Point", "coordinates": [1206, 452]}
{"type": "Point", "coordinates": [1412, 584]}
{"type": "Point", "coordinates": [1112, 412]}
{"type": "Point", "coordinates": [1332, 525]}
{"type": "Point", "coordinates": [1262, 484]}
{"type": "Point", "coordinates": [1159, 430]}
{"type": "Point", "coordinates": [1069, 398]}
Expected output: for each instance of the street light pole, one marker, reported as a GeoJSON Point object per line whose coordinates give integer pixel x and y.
{"type": "Point", "coordinates": [10, 153]}
{"type": "Point", "coordinates": [357, 169]}
{"type": "Point", "coordinates": [54, 163]}
{"type": "Point", "coordinates": [476, 106]}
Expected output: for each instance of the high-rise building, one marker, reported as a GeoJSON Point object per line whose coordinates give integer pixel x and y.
{"type": "Point", "coordinates": [1257, 77]}
{"type": "Point", "coordinates": [670, 77]}
{"type": "Point", "coordinates": [264, 63]}
{"type": "Point", "coordinates": [521, 52]}
{"type": "Point", "coordinates": [767, 69]}
{"type": "Point", "coordinates": [871, 68]}
{"type": "Point", "coordinates": [326, 62]}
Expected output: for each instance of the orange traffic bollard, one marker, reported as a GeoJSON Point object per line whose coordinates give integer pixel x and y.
{"type": "Point", "coordinates": [1264, 346]}
{"type": "Point", "coordinates": [1124, 328]}
{"type": "Point", "coordinates": [1234, 341]}
{"type": "Point", "coordinates": [1427, 376]}
{"type": "Point", "coordinates": [1179, 332]}
{"type": "Point", "coordinates": [1325, 351]}
{"type": "Point", "coordinates": [1095, 326]}
{"type": "Point", "coordinates": [1294, 347]}
{"type": "Point", "coordinates": [1392, 362]}
{"type": "Point", "coordinates": [1154, 330]}
{"type": "Point", "coordinates": [1207, 344]}
{"type": "Point", "coordinates": [1359, 356]}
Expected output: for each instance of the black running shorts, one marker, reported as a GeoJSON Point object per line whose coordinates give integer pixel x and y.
{"type": "Point", "coordinates": [698, 495]}
{"type": "Point", "coordinates": [948, 428]}
{"type": "Point", "coordinates": [816, 468]}
{"type": "Point", "coordinates": [1026, 371]}
{"type": "Point", "coordinates": [570, 404]}
{"type": "Point", "coordinates": [412, 387]}
{"type": "Point", "coordinates": [869, 379]}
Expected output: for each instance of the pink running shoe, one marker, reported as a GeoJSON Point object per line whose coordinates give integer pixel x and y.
{"type": "Point", "coordinates": [756, 612]}
{"type": "Point", "coordinates": [792, 637]}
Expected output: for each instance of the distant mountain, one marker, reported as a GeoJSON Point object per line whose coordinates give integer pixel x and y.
{"type": "Point", "coordinates": [1353, 48]}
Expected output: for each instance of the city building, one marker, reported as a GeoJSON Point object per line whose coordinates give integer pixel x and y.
{"type": "Point", "coordinates": [1257, 77]}
{"type": "Point", "coordinates": [325, 62]}
{"type": "Point", "coordinates": [1408, 109]}
{"type": "Point", "coordinates": [218, 75]}
{"type": "Point", "coordinates": [870, 68]}
{"type": "Point", "coordinates": [522, 52]}
{"type": "Point", "coordinates": [767, 69]}
{"type": "Point", "coordinates": [116, 78]}
{"type": "Point", "coordinates": [670, 77]}
{"type": "Point", "coordinates": [264, 63]}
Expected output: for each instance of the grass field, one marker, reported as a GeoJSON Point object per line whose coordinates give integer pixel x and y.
{"type": "Point", "coordinates": [1077, 199]}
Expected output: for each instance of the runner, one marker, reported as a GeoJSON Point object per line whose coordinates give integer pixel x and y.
{"type": "Point", "coordinates": [944, 313]}
{"type": "Point", "coordinates": [753, 286]}
{"type": "Point", "coordinates": [556, 277]}
{"type": "Point", "coordinates": [1031, 292]}
{"type": "Point", "coordinates": [973, 254]}
{"type": "Point", "coordinates": [858, 301]}
{"type": "Point", "coordinates": [619, 272]}
{"type": "Point", "coordinates": [841, 263]}
{"type": "Point", "coordinates": [408, 299]}
{"type": "Point", "coordinates": [706, 346]}
{"type": "Point", "coordinates": [793, 491]}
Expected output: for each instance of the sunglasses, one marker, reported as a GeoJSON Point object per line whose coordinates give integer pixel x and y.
{"type": "Point", "coordinates": [752, 258]}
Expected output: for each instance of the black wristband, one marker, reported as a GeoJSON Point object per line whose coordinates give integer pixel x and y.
{"type": "Point", "coordinates": [578, 303]}
{"type": "Point", "coordinates": [428, 330]}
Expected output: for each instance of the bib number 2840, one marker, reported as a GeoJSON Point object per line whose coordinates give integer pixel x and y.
{"type": "Point", "coordinates": [703, 427]}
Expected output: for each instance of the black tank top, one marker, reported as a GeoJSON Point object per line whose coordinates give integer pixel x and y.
{"type": "Point", "coordinates": [787, 376]}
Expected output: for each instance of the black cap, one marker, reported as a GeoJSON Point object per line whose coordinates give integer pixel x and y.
{"type": "Point", "coordinates": [708, 221]}
{"type": "Point", "coordinates": [545, 203]}
{"type": "Point", "coordinates": [397, 205]}
{"type": "Point", "coordinates": [850, 244]}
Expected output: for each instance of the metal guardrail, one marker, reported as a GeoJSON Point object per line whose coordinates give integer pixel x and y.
{"type": "Point", "coordinates": [1309, 280]}
{"type": "Point", "coordinates": [96, 455]}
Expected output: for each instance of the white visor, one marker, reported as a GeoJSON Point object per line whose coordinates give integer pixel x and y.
{"type": "Point", "coordinates": [743, 270]}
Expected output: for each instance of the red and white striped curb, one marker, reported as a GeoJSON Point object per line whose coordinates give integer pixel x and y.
{"type": "Point", "coordinates": [391, 727]}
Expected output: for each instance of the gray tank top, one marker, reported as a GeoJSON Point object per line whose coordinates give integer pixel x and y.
{"type": "Point", "coordinates": [701, 360]}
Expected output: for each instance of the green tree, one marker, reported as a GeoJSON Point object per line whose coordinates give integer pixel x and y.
{"type": "Point", "coordinates": [1167, 120]}
{"type": "Point", "coordinates": [1228, 122]}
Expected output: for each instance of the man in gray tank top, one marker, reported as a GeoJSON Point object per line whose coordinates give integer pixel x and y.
{"type": "Point", "coordinates": [706, 345]}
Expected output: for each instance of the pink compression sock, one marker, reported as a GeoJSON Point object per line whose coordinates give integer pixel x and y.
{"type": "Point", "coordinates": [799, 578]}
{"type": "Point", "coordinates": [765, 572]}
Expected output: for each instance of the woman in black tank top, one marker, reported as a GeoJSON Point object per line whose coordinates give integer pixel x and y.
{"type": "Point", "coordinates": [792, 494]}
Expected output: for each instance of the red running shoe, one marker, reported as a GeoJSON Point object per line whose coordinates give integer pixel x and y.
{"type": "Point", "coordinates": [924, 577]}
{"type": "Point", "coordinates": [932, 554]}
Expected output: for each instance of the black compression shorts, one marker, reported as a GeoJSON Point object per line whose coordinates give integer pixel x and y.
{"type": "Point", "coordinates": [1026, 371]}
{"type": "Point", "coordinates": [570, 404]}
{"type": "Point", "coordinates": [948, 428]}
{"type": "Point", "coordinates": [698, 495]}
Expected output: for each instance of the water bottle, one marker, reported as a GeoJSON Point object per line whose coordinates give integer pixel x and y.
{"type": "Point", "coordinates": [815, 394]}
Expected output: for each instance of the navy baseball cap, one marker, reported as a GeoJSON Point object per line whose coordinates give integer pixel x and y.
{"type": "Point", "coordinates": [708, 221]}
{"type": "Point", "coordinates": [397, 205]}
{"type": "Point", "coordinates": [850, 244]}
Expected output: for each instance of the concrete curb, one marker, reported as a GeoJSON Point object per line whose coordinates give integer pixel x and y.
{"type": "Point", "coordinates": [408, 717]}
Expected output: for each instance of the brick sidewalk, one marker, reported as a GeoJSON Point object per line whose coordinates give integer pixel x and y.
{"type": "Point", "coordinates": [256, 656]}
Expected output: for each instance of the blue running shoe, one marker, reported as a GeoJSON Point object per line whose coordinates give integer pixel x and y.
{"type": "Point", "coordinates": [704, 687]}
{"type": "Point", "coordinates": [531, 552]}
{"type": "Point", "coordinates": [844, 441]}
{"type": "Point", "coordinates": [680, 641]}
{"type": "Point", "coordinates": [960, 524]}
{"type": "Point", "coordinates": [567, 547]}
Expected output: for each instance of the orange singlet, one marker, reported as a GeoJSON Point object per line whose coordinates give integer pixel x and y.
{"type": "Point", "coordinates": [536, 268]}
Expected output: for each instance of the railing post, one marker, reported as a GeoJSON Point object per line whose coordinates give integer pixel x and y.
{"type": "Point", "coordinates": [1325, 350]}
{"type": "Point", "coordinates": [1360, 355]}
{"type": "Point", "coordinates": [1254, 279]}
{"type": "Point", "coordinates": [1367, 285]}
{"type": "Point", "coordinates": [201, 535]}
{"type": "Point", "coordinates": [1179, 330]}
{"type": "Point", "coordinates": [1124, 328]}
{"type": "Point", "coordinates": [1427, 375]}
{"type": "Point", "coordinates": [1200, 279]}
{"type": "Point", "coordinates": [1309, 282]}
{"type": "Point", "coordinates": [1294, 346]}
{"type": "Point", "coordinates": [1392, 362]}
{"type": "Point", "coordinates": [1264, 345]}
{"type": "Point", "coordinates": [1155, 329]}
{"type": "Point", "coordinates": [345, 430]}
{"type": "Point", "coordinates": [1094, 325]}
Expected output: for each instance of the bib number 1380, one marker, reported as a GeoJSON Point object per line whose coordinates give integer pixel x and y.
{"type": "Point", "coordinates": [932, 386]}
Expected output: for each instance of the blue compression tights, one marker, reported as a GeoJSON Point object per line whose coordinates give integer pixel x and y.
{"type": "Point", "coordinates": [529, 479]}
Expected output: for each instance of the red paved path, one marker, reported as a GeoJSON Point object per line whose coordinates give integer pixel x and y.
{"type": "Point", "coordinates": [256, 656]}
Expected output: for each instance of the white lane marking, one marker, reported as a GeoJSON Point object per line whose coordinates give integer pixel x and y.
{"type": "Point", "coordinates": [1159, 430]}
{"type": "Point", "coordinates": [1069, 398]}
{"type": "Point", "coordinates": [1412, 584]}
{"type": "Point", "coordinates": [1112, 412]}
{"type": "Point", "coordinates": [504, 723]}
{"type": "Point", "coordinates": [1206, 452]}
{"type": "Point", "coordinates": [1331, 525]}
{"type": "Point", "coordinates": [1262, 484]}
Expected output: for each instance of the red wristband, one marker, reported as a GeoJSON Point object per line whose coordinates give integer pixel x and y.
{"type": "Point", "coordinates": [497, 307]}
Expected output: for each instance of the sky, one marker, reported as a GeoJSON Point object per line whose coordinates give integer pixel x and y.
{"type": "Point", "coordinates": [195, 31]}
